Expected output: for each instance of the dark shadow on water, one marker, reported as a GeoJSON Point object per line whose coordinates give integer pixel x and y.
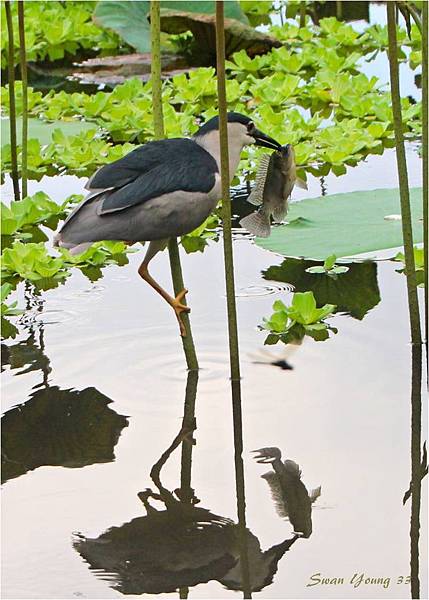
{"type": "Point", "coordinates": [54, 427]}
{"type": "Point", "coordinates": [67, 428]}
{"type": "Point", "coordinates": [354, 293]}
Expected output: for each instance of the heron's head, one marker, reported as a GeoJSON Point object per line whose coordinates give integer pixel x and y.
{"type": "Point", "coordinates": [241, 131]}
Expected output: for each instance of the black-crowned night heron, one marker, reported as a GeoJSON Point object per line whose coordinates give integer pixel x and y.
{"type": "Point", "coordinates": [163, 189]}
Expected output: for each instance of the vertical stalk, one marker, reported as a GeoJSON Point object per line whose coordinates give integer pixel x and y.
{"type": "Point", "coordinates": [178, 285]}
{"type": "Point", "coordinates": [416, 467]}
{"type": "Point", "coordinates": [302, 11]}
{"type": "Point", "coordinates": [12, 105]}
{"type": "Point", "coordinates": [425, 140]}
{"type": "Point", "coordinates": [226, 200]}
{"type": "Point", "coordinates": [407, 232]}
{"type": "Point", "coordinates": [155, 69]}
{"type": "Point", "coordinates": [230, 294]}
{"type": "Point", "coordinates": [23, 65]}
{"type": "Point", "coordinates": [339, 7]}
{"type": "Point", "coordinates": [158, 122]}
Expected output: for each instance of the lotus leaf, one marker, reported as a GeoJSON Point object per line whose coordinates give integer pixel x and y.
{"type": "Point", "coordinates": [344, 225]}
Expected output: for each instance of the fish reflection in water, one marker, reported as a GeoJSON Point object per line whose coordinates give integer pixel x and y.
{"type": "Point", "coordinates": [289, 493]}
{"type": "Point", "coordinates": [180, 545]}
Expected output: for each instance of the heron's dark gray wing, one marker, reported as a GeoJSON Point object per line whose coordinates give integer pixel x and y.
{"type": "Point", "coordinates": [149, 171]}
{"type": "Point", "coordinates": [139, 161]}
{"type": "Point", "coordinates": [190, 169]}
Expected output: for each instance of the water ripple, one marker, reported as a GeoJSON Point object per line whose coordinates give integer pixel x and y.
{"type": "Point", "coordinates": [264, 290]}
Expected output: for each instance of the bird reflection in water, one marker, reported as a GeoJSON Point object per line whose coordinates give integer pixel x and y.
{"type": "Point", "coordinates": [289, 493]}
{"type": "Point", "coordinates": [178, 546]}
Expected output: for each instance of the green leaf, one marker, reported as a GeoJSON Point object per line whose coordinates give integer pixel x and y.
{"type": "Point", "coordinates": [329, 262]}
{"type": "Point", "coordinates": [42, 130]}
{"type": "Point", "coordinates": [349, 224]}
{"type": "Point", "coordinates": [318, 269]}
{"type": "Point", "coordinates": [130, 18]}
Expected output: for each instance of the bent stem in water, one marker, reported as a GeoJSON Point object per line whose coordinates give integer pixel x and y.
{"type": "Point", "coordinates": [158, 122]}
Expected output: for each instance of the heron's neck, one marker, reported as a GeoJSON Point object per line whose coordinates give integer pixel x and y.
{"type": "Point", "coordinates": [211, 143]}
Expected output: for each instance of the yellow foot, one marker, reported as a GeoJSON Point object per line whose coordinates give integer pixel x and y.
{"type": "Point", "coordinates": [179, 308]}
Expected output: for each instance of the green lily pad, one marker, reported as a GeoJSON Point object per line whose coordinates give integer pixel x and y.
{"type": "Point", "coordinates": [344, 225]}
{"type": "Point", "coordinates": [42, 130]}
{"type": "Point", "coordinates": [130, 19]}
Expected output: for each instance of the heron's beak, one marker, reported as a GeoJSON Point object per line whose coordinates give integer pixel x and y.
{"type": "Point", "coordinates": [262, 457]}
{"type": "Point", "coordinates": [265, 140]}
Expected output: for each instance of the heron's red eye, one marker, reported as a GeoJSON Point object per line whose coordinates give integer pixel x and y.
{"type": "Point", "coordinates": [251, 128]}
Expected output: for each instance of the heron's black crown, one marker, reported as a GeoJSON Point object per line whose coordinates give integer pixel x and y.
{"type": "Point", "coordinates": [213, 124]}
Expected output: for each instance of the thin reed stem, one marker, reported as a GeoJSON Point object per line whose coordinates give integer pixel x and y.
{"type": "Point", "coordinates": [23, 66]}
{"type": "Point", "coordinates": [158, 125]}
{"type": "Point", "coordinates": [407, 232]}
{"type": "Point", "coordinates": [12, 103]}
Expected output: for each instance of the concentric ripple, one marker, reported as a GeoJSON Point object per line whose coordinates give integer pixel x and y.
{"type": "Point", "coordinates": [264, 290]}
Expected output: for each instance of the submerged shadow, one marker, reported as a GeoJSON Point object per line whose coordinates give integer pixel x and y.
{"type": "Point", "coordinates": [55, 427]}
{"type": "Point", "coordinates": [67, 428]}
{"type": "Point", "coordinates": [180, 544]}
{"type": "Point", "coordinates": [354, 293]}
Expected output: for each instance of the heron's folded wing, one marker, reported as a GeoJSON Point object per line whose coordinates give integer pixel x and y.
{"type": "Point", "coordinates": [185, 172]}
{"type": "Point", "coordinates": [142, 160]}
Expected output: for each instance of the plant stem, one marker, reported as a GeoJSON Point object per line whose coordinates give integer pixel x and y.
{"type": "Point", "coordinates": [178, 285]}
{"type": "Point", "coordinates": [339, 7]}
{"type": "Point", "coordinates": [302, 12]}
{"type": "Point", "coordinates": [407, 232]}
{"type": "Point", "coordinates": [158, 126]}
{"type": "Point", "coordinates": [416, 467]}
{"type": "Point", "coordinates": [425, 140]}
{"type": "Point", "coordinates": [226, 201]}
{"type": "Point", "coordinates": [12, 105]}
{"type": "Point", "coordinates": [155, 68]}
{"type": "Point", "coordinates": [230, 295]}
{"type": "Point", "coordinates": [23, 64]}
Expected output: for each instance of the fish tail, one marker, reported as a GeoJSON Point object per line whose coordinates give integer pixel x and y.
{"type": "Point", "coordinates": [279, 213]}
{"type": "Point", "coordinates": [257, 223]}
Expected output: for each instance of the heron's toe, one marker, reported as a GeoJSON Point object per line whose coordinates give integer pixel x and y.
{"type": "Point", "coordinates": [181, 295]}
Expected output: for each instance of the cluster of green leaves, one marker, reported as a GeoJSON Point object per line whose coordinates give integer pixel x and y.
{"type": "Point", "coordinates": [54, 30]}
{"type": "Point", "coordinates": [26, 256]}
{"type": "Point", "coordinates": [328, 268]}
{"type": "Point", "coordinates": [316, 74]}
{"type": "Point", "coordinates": [79, 154]}
{"type": "Point", "coordinates": [21, 219]}
{"type": "Point", "coordinates": [419, 261]}
{"type": "Point", "coordinates": [9, 310]}
{"type": "Point", "coordinates": [197, 240]}
{"type": "Point", "coordinates": [290, 324]}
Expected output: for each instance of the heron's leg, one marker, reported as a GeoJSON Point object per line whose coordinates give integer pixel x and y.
{"type": "Point", "coordinates": [175, 303]}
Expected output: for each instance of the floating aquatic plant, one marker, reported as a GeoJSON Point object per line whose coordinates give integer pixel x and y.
{"type": "Point", "coordinates": [9, 310]}
{"type": "Point", "coordinates": [292, 323]}
{"type": "Point", "coordinates": [419, 262]}
{"type": "Point", "coordinates": [328, 268]}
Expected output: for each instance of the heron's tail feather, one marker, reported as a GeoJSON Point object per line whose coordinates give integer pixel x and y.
{"type": "Point", "coordinates": [71, 247]}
